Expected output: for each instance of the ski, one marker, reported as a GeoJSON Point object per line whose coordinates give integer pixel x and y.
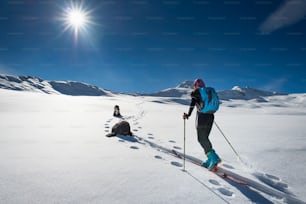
{"type": "Point", "coordinates": [247, 183]}
{"type": "Point", "coordinates": [215, 170]}
{"type": "Point", "coordinates": [193, 160]}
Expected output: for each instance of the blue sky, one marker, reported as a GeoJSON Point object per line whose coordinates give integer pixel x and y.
{"type": "Point", "coordinates": [149, 45]}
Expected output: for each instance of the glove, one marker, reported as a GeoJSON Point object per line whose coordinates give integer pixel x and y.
{"type": "Point", "coordinates": [185, 116]}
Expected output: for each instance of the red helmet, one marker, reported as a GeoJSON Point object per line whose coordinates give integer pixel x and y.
{"type": "Point", "coordinates": [198, 83]}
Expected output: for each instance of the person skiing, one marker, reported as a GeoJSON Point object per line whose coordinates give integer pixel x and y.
{"type": "Point", "coordinates": [204, 122]}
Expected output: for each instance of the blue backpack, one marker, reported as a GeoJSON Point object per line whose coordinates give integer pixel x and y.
{"type": "Point", "coordinates": [210, 100]}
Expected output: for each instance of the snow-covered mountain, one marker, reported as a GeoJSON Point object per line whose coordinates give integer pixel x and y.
{"type": "Point", "coordinates": [182, 90]}
{"type": "Point", "coordinates": [247, 93]}
{"type": "Point", "coordinates": [179, 94]}
{"type": "Point", "coordinates": [186, 84]}
{"type": "Point", "coordinates": [236, 97]}
{"type": "Point", "coordinates": [35, 84]}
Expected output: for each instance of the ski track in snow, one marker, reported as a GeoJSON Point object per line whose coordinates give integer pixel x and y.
{"type": "Point", "coordinates": [214, 186]}
{"type": "Point", "coordinates": [257, 192]}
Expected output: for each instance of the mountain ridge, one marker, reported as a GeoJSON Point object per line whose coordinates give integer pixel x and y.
{"type": "Point", "coordinates": [182, 90]}
{"type": "Point", "coordinates": [254, 98]}
{"type": "Point", "coordinates": [36, 84]}
{"type": "Point", "coordinates": [239, 93]}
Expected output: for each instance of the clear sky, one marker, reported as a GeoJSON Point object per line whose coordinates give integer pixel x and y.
{"type": "Point", "coordinates": [148, 45]}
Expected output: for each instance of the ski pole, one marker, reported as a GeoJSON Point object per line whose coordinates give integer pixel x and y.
{"type": "Point", "coordinates": [184, 142]}
{"type": "Point", "coordinates": [227, 139]}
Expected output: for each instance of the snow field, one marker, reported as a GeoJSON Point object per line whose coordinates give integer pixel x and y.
{"type": "Point", "coordinates": [53, 149]}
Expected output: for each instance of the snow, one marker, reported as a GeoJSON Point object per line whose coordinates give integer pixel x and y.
{"type": "Point", "coordinates": [246, 93]}
{"type": "Point", "coordinates": [35, 84]}
{"type": "Point", "coordinates": [53, 149]}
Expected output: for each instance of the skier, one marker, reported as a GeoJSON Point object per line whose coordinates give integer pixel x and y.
{"type": "Point", "coordinates": [204, 122]}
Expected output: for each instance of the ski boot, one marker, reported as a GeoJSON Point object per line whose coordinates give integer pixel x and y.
{"type": "Point", "coordinates": [213, 160]}
{"type": "Point", "coordinates": [207, 162]}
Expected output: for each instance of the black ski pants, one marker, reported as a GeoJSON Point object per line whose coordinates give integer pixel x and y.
{"type": "Point", "coordinates": [204, 123]}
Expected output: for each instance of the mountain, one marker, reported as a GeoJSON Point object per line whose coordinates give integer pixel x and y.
{"type": "Point", "coordinates": [184, 89]}
{"type": "Point", "coordinates": [179, 94]}
{"type": "Point", "coordinates": [35, 84]}
{"type": "Point", "coordinates": [246, 93]}
{"type": "Point", "coordinates": [255, 98]}
{"type": "Point", "coordinates": [186, 84]}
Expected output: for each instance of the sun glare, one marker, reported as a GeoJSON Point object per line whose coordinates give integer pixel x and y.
{"type": "Point", "coordinates": [77, 19]}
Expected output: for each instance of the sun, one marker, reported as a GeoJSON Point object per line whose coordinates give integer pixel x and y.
{"type": "Point", "coordinates": [77, 19]}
